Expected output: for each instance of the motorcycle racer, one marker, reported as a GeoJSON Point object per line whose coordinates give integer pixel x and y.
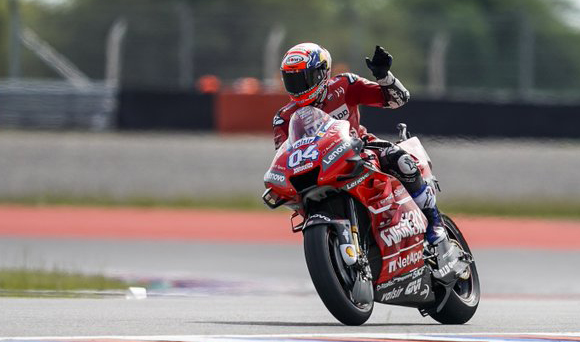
{"type": "Point", "coordinates": [306, 75]}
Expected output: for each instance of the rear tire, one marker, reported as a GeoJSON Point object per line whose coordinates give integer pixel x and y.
{"type": "Point", "coordinates": [331, 276]}
{"type": "Point", "coordinates": [464, 298]}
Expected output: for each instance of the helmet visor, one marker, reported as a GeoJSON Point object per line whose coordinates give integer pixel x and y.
{"type": "Point", "coordinates": [301, 81]}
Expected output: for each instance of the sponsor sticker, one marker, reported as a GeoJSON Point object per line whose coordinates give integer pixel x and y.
{"type": "Point", "coordinates": [393, 294]}
{"type": "Point", "coordinates": [409, 225]}
{"type": "Point", "coordinates": [397, 280]}
{"type": "Point", "coordinates": [302, 142]}
{"type": "Point", "coordinates": [346, 235]}
{"type": "Point", "coordinates": [413, 287]}
{"type": "Point", "coordinates": [295, 59]}
{"type": "Point", "coordinates": [350, 251]}
{"type": "Point", "coordinates": [352, 185]}
{"type": "Point", "coordinates": [275, 178]}
{"type": "Point", "coordinates": [324, 129]}
{"type": "Point", "coordinates": [398, 191]}
{"type": "Point", "coordinates": [443, 271]}
{"type": "Point", "coordinates": [303, 168]}
{"type": "Point", "coordinates": [341, 113]}
{"type": "Point", "coordinates": [425, 291]}
{"type": "Point", "coordinates": [335, 154]}
{"type": "Point", "coordinates": [404, 261]}
{"type": "Point", "coordinates": [277, 120]}
{"type": "Point", "coordinates": [320, 216]}
{"type": "Point", "coordinates": [351, 78]}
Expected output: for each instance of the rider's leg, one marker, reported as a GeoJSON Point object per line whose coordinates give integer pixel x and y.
{"type": "Point", "coordinates": [395, 161]}
{"type": "Point", "coordinates": [400, 164]}
{"type": "Point", "coordinates": [427, 202]}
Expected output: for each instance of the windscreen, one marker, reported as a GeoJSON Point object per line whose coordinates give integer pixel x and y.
{"type": "Point", "coordinates": [306, 122]}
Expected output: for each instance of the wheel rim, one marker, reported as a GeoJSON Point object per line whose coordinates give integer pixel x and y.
{"type": "Point", "coordinates": [465, 286]}
{"type": "Point", "coordinates": [346, 275]}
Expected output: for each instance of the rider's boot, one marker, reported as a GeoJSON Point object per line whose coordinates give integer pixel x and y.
{"type": "Point", "coordinates": [435, 233]}
{"type": "Point", "coordinates": [427, 202]}
{"type": "Point", "coordinates": [436, 236]}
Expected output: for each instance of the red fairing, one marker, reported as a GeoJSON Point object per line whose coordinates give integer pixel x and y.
{"type": "Point", "coordinates": [336, 139]}
{"type": "Point", "coordinates": [398, 225]}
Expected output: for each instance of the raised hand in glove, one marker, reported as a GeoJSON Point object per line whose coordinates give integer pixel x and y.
{"type": "Point", "coordinates": [381, 63]}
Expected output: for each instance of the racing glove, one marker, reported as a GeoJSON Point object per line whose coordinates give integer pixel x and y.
{"type": "Point", "coordinates": [381, 63]}
{"type": "Point", "coordinates": [395, 93]}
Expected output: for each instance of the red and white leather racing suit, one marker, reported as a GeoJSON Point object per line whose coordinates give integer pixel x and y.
{"type": "Point", "coordinates": [343, 95]}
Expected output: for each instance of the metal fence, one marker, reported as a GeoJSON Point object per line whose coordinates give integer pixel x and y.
{"type": "Point", "coordinates": [507, 51]}
{"type": "Point", "coordinates": [516, 52]}
{"type": "Point", "coordinates": [54, 104]}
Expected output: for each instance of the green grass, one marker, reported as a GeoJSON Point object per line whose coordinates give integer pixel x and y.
{"type": "Point", "coordinates": [521, 208]}
{"type": "Point", "coordinates": [237, 202]}
{"type": "Point", "coordinates": [468, 206]}
{"type": "Point", "coordinates": [27, 279]}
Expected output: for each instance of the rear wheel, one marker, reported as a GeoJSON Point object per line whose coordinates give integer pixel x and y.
{"type": "Point", "coordinates": [464, 297]}
{"type": "Point", "coordinates": [332, 278]}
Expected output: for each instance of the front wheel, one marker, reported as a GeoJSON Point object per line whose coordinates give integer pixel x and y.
{"type": "Point", "coordinates": [332, 279]}
{"type": "Point", "coordinates": [464, 297]}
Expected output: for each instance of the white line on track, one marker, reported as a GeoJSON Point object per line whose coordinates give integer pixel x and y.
{"type": "Point", "coordinates": [451, 337]}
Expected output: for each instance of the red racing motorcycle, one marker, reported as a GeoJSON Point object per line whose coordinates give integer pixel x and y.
{"type": "Point", "coordinates": [363, 233]}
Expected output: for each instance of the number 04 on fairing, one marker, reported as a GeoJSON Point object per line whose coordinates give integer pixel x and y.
{"type": "Point", "coordinates": [363, 234]}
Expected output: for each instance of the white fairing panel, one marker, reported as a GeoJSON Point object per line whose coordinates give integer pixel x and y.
{"type": "Point", "coordinates": [413, 147]}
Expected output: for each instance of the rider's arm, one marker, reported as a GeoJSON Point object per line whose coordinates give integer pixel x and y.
{"type": "Point", "coordinates": [364, 92]}
{"type": "Point", "coordinates": [394, 92]}
{"type": "Point", "coordinates": [280, 129]}
{"type": "Point", "coordinates": [367, 93]}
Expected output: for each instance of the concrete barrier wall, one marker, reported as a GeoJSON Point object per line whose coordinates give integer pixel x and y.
{"type": "Point", "coordinates": [239, 113]}
{"type": "Point", "coordinates": [122, 166]}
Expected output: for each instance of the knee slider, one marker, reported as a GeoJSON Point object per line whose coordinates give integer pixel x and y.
{"type": "Point", "coordinates": [398, 162]}
{"type": "Point", "coordinates": [390, 155]}
{"type": "Point", "coordinates": [407, 165]}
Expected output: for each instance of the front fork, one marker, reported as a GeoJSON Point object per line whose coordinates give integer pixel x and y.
{"type": "Point", "coordinates": [354, 226]}
{"type": "Point", "coordinates": [363, 263]}
{"type": "Point", "coordinates": [348, 237]}
{"type": "Point", "coordinates": [362, 291]}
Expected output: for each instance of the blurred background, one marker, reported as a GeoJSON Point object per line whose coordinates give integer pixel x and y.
{"type": "Point", "coordinates": [159, 101]}
{"type": "Point", "coordinates": [145, 102]}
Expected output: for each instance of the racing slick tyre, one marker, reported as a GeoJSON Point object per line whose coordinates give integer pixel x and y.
{"type": "Point", "coordinates": [332, 278]}
{"type": "Point", "coordinates": [464, 297]}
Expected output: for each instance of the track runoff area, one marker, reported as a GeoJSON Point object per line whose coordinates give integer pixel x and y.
{"type": "Point", "coordinates": [88, 223]}
{"type": "Point", "coordinates": [472, 337]}
{"type": "Point", "coordinates": [172, 228]}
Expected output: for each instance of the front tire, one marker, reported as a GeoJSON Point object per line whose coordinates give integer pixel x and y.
{"type": "Point", "coordinates": [464, 298]}
{"type": "Point", "coordinates": [331, 277]}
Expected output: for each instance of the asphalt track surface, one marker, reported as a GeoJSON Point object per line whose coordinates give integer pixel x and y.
{"type": "Point", "coordinates": [202, 287]}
